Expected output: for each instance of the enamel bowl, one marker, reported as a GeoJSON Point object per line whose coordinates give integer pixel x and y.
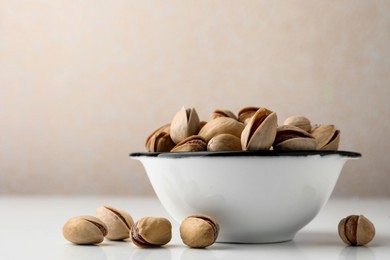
{"type": "Point", "coordinates": [256, 197]}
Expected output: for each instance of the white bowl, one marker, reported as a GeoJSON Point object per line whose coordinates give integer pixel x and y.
{"type": "Point", "coordinates": [257, 197]}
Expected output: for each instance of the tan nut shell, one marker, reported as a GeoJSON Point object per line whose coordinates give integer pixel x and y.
{"type": "Point", "coordinates": [286, 132]}
{"type": "Point", "coordinates": [356, 230]}
{"type": "Point", "coordinates": [221, 125]}
{"type": "Point", "coordinates": [327, 136]}
{"type": "Point", "coordinates": [199, 231]}
{"type": "Point", "coordinates": [222, 113]}
{"type": "Point", "coordinates": [245, 114]}
{"type": "Point", "coordinates": [184, 124]}
{"type": "Point", "coordinates": [202, 124]}
{"type": "Point", "coordinates": [224, 142]}
{"type": "Point", "coordinates": [299, 121]}
{"type": "Point", "coordinates": [84, 230]}
{"type": "Point", "coordinates": [160, 142]}
{"type": "Point", "coordinates": [290, 138]}
{"type": "Point", "coordinates": [162, 129]}
{"type": "Point", "coordinates": [118, 222]}
{"type": "Point", "coordinates": [295, 144]}
{"type": "Point", "coordinates": [194, 143]}
{"type": "Point", "coordinates": [260, 132]}
{"type": "Point", "coordinates": [151, 232]}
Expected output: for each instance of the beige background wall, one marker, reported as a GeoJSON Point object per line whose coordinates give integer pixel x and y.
{"type": "Point", "coordinates": [83, 83]}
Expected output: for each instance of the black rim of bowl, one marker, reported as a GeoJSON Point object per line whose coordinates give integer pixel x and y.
{"type": "Point", "coordinates": [246, 153]}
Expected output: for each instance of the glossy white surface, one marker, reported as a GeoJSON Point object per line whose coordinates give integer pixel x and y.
{"type": "Point", "coordinates": [31, 229]}
{"type": "Point", "coordinates": [257, 199]}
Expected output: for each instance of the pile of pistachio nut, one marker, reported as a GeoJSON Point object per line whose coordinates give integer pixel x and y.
{"type": "Point", "coordinates": [197, 231]}
{"type": "Point", "coordinates": [253, 129]}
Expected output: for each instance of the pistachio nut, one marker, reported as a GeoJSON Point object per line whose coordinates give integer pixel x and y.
{"type": "Point", "coordinates": [224, 142]}
{"type": "Point", "coordinates": [221, 125]}
{"type": "Point", "coordinates": [160, 142]}
{"type": "Point", "coordinates": [245, 114]}
{"type": "Point", "coordinates": [285, 132]}
{"type": "Point", "coordinates": [327, 136]}
{"type": "Point", "coordinates": [193, 143]}
{"type": "Point", "coordinates": [118, 222]}
{"type": "Point", "coordinates": [151, 232]}
{"type": "Point", "coordinates": [260, 132]}
{"type": "Point", "coordinates": [290, 137]}
{"type": "Point", "coordinates": [184, 124]}
{"type": "Point", "coordinates": [356, 230]}
{"type": "Point", "coordinates": [202, 124]}
{"type": "Point", "coordinates": [222, 113]}
{"type": "Point", "coordinates": [313, 127]}
{"type": "Point", "coordinates": [84, 230]}
{"type": "Point", "coordinates": [298, 121]}
{"type": "Point", "coordinates": [199, 231]}
{"type": "Point", "coordinates": [295, 144]}
{"type": "Point", "coordinates": [162, 129]}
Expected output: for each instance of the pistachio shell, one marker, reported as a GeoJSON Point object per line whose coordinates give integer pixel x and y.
{"type": "Point", "coordinates": [365, 231]}
{"type": "Point", "coordinates": [224, 142]}
{"type": "Point", "coordinates": [84, 230]}
{"type": "Point", "coordinates": [299, 121]}
{"type": "Point", "coordinates": [298, 143]}
{"type": "Point", "coordinates": [199, 231]}
{"type": "Point", "coordinates": [245, 114]}
{"type": "Point", "coordinates": [333, 145]}
{"type": "Point", "coordinates": [289, 137]}
{"type": "Point", "coordinates": [192, 143]}
{"type": "Point", "coordinates": [313, 127]}
{"type": "Point", "coordinates": [327, 136]}
{"type": "Point", "coordinates": [260, 132]}
{"type": "Point", "coordinates": [202, 124]}
{"type": "Point", "coordinates": [162, 129]}
{"type": "Point", "coordinates": [285, 132]}
{"type": "Point", "coordinates": [151, 232]}
{"type": "Point", "coordinates": [356, 230]}
{"type": "Point", "coordinates": [184, 124]}
{"type": "Point", "coordinates": [221, 125]}
{"type": "Point", "coordinates": [222, 113]}
{"type": "Point", "coordinates": [341, 230]}
{"type": "Point", "coordinates": [160, 142]}
{"type": "Point", "coordinates": [118, 222]}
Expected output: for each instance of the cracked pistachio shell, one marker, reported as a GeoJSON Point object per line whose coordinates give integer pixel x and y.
{"type": "Point", "coordinates": [245, 114]}
{"type": "Point", "coordinates": [221, 125]}
{"type": "Point", "coordinates": [327, 136]}
{"type": "Point", "coordinates": [202, 124]}
{"type": "Point", "coordinates": [151, 232]}
{"type": "Point", "coordinates": [260, 132]}
{"type": "Point", "coordinates": [199, 231]}
{"type": "Point", "coordinates": [295, 144]}
{"type": "Point", "coordinates": [162, 129]}
{"type": "Point", "coordinates": [356, 230]}
{"type": "Point", "coordinates": [84, 230]}
{"type": "Point", "coordinates": [192, 143]}
{"type": "Point", "coordinates": [184, 124]}
{"type": "Point", "coordinates": [286, 132]}
{"type": "Point", "coordinates": [290, 138]}
{"type": "Point", "coordinates": [118, 222]}
{"type": "Point", "coordinates": [298, 121]}
{"type": "Point", "coordinates": [160, 142]}
{"type": "Point", "coordinates": [222, 113]}
{"type": "Point", "coordinates": [224, 142]}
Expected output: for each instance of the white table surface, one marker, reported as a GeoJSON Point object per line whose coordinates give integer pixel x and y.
{"type": "Point", "coordinates": [31, 228]}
